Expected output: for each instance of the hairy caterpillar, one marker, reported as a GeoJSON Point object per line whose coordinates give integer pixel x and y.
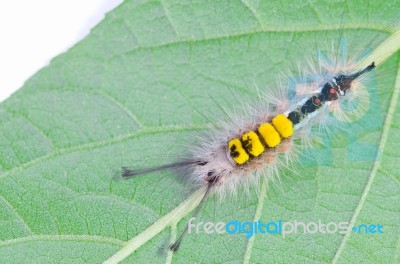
{"type": "Point", "coordinates": [222, 161]}
{"type": "Point", "coordinates": [225, 160]}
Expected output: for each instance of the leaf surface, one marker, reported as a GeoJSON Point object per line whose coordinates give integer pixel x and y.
{"type": "Point", "coordinates": [130, 93]}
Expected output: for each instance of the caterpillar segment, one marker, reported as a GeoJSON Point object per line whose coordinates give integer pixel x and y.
{"type": "Point", "coordinates": [268, 136]}
{"type": "Point", "coordinates": [331, 91]}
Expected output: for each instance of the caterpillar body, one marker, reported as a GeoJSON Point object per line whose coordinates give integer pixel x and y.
{"type": "Point", "coordinates": [237, 154]}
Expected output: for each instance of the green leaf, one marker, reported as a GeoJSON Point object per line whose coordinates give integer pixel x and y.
{"type": "Point", "coordinates": [130, 93]}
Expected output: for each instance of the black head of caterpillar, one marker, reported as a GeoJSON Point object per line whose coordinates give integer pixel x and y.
{"type": "Point", "coordinates": [220, 163]}
{"type": "Point", "coordinates": [329, 92]}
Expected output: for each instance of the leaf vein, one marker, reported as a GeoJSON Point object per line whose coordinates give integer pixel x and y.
{"type": "Point", "coordinates": [83, 238]}
{"type": "Point", "coordinates": [376, 164]}
{"type": "Point", "coordinates": [102, 143]}
{"type": "Point", "coordinates": [16, 214]}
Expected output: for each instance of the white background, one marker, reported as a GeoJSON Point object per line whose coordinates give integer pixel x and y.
{"type": "Point", "coordinates": [34, 32]}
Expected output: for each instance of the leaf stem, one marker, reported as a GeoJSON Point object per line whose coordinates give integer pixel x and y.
{"type": "Point", "coordinates": [386, 49]}
{"type": "Point", "coordinates": [172, 217]}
